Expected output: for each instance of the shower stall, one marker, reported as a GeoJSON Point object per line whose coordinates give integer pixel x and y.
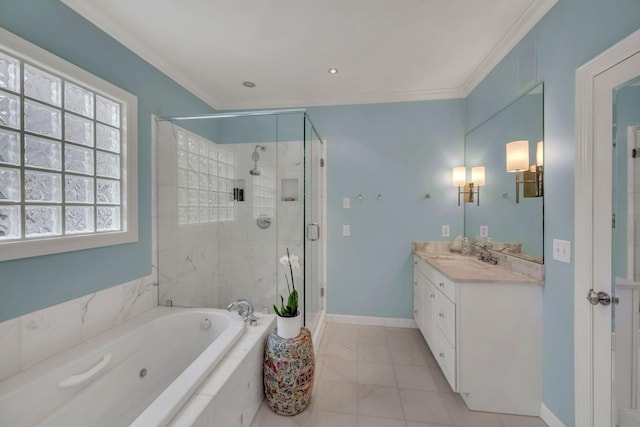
{"type": "Point", "coordinates": [233, 192]}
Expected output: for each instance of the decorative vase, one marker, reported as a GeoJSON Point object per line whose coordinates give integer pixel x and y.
{"type": "Point", "coordinates": [289, 327]}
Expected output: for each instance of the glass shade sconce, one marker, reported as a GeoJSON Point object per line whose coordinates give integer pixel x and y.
{"type": "Point", "coordinates": [530, 176]}
{"type": "Point", "coordinates": [471, 190]}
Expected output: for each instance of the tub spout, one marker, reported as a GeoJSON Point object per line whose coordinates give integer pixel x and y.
{"type": "Point", "coordinates": [239, 303]}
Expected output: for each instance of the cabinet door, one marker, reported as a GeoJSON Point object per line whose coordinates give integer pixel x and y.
{"type": "Point", "coordinates": [429, 310]}
{"type": "Point", "coordinates": [445, 315]}
{"type": "Point", "coordinates": [446, 356]}
{"type": "Point", "coordinates": [418, 307]}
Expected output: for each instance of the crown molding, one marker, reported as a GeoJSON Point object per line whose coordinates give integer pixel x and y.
{"type": "Point", "coordinates": [523, 25]}
{"type": "Point", "coordinates": [123, 36]}
{"type": "Point", "coordinates": [368, 98]}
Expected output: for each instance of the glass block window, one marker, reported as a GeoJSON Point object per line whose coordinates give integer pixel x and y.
{"type": "Point", "coordinates": [63, 155]}
{"type": "Point", "coordinates": [206, 174]}
{"type": "Point", "coordinates": [264, 193]}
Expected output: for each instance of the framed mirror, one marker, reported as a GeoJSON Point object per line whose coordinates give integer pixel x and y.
{"type": "Point", "coordinates": [509, 213]}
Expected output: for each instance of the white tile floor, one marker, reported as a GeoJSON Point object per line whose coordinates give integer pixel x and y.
{"type": "Point", "coordinates": [370, 376]}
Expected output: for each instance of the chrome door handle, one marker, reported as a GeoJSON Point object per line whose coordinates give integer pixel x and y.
{"type": "Point", "coordinates": [309, 234]}
{"type": "Point", "coordinates": [601, 298]}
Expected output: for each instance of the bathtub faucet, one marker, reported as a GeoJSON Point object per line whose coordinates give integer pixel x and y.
{"type": "Point", "coordinates": [247, 315]}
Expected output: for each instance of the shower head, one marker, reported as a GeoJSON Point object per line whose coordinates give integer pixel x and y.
{"type": "Point", "coordinates": [255, 156]}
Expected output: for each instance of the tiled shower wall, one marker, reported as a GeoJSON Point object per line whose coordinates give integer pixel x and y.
{"type": "Point", "coordinates": [211, 264]}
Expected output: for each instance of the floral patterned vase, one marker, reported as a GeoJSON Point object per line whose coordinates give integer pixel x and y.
{"type": "Point", "coordinates": [289, 365]}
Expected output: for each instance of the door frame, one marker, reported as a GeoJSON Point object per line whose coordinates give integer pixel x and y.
{"type": "Point", "coordinates": [588, 190]}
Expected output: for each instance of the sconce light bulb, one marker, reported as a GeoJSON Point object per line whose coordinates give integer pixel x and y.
{"type": "Point", "coordinates": [540, 153]}
{"type": "Point", "coordinates": [459, 176]}
{"type": "Point", "coordinates": [477, 175]}
{"type": "Point", "coordinates": [518, 156]}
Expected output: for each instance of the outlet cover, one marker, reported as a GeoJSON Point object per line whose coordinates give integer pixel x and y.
{"type": "Point", "coordinates": [346, 230]}
{"type": "Point", "coordinates": [562, 250]}
{"type": "Point", "coordinates": [346, 202]}
{"type": "Point", "coordinates": [484, 231]}
{"type": "Point", "coordinates": [445, 231]}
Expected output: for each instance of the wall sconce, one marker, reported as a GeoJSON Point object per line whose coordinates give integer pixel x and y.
{"type": "Point", "coordinates": [471, 189]}
{"type": "Point", "coordinates": [532, 175]}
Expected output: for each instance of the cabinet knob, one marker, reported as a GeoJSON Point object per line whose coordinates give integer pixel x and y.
{"type": "Point", "coordinates": [415, 311]}
{"type": "Point", "coordinates": [441, 315]}
{"type": "Point", "coordinates": [415, 283]}
{"type": "Point", "coordinates": [433, 295]}
{"type": "Point", "coordinates": [441, 354]}
{"type": "Point", "coordinates": [441, 285]}
{"type": "Point", "coordinates": [415, 262]}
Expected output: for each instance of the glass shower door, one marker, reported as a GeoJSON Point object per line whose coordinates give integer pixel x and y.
{"type": "Point", "coordinates": [314, 224]}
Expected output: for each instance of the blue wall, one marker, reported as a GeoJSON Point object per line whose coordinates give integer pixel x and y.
{"type": "Point", "coordinates": [572, 33]}
{"type": "Point", "coordinates": [401, 151]}
{"type": "Point", "coordinates": [30, 284]}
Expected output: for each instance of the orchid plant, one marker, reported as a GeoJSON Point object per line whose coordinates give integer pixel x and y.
{"type": "Point", "coordinates": [291, 309]}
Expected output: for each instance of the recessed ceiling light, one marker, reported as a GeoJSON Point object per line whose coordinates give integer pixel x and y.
{"type": "Point", "coordinates": [248, 84]}
{"type": "Point", "coordinates": [333, 71]}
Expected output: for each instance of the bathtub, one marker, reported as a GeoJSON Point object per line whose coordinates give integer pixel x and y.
{"type": "Point", "coordinates": [139, 373]}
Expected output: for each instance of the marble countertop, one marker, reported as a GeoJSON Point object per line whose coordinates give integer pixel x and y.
{"type": "Point", "coordinates": [462, 268]}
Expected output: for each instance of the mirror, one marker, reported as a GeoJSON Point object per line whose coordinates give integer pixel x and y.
{"type": "Point", "coordinates": [520, 225]}
{"type": "Point", "coordinates": [625, 260]}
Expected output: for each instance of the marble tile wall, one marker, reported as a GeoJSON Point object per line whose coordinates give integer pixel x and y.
{"type": "Point", "coordinates": [34, 337]}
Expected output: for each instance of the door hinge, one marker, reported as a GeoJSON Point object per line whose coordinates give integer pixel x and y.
{"type": "Point", "coordinates": [321, 292]}
{"type": "Point", "coordinates": [321, 163]}
{"type": "Point", "coordinates": [613, 221]}
{"type": "Point", "coordinates": [634, 153]}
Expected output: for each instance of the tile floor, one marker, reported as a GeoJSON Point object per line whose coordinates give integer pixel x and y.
{"type": "Point", "coordinates": [370, 376]}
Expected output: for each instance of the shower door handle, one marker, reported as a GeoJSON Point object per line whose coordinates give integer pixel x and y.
{"type": "Point", "coordinates": [310, 227]}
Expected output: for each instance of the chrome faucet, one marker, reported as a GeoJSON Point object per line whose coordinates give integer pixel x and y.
{"type": "Point", "coordinates": [247, 315]}
{"type": "Point", "coordinates": [485, 256]}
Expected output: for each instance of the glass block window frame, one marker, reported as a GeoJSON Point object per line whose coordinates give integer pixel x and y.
{"type": "Point", "coordinates": [68, 155]}
{"type": "Point", "coordinates": [206, 172]}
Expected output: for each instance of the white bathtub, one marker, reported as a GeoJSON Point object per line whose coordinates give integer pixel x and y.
{"type": "Point", "coordinates": [139, 373]}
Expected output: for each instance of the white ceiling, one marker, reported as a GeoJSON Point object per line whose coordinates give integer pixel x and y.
{"type": "Point", "coordinates": [385, 50]}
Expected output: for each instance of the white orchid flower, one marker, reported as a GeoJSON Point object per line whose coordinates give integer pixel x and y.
{"type": "Point", "coordinates": [294, 260]}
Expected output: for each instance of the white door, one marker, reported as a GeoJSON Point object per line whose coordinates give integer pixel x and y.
{"type": "Point", "coordinates": [596, 82]}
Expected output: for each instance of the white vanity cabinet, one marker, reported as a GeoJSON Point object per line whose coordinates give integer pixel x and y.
{"type": "Point", "coordinates": [486, 335]}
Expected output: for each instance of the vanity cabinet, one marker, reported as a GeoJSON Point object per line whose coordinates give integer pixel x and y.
{"type": "Point", "coordinates": [485, 335]}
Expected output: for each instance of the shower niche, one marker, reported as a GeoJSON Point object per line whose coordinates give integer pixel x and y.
{"type": "Point", "coordinates": [289, 190]}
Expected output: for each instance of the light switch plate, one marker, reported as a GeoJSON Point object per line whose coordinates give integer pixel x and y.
{"type": "Point", "coordinates": [445, 231]}
{"type": "Point", "coordinates": [346, 230]}
{"type": "Point", "coordinates": [562, 250]}
{"type": "Point", "coordinates": [346, 202]}
{"type": "Point", "coordinates": [484, 231]}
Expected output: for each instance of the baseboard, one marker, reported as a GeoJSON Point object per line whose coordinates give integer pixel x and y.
{"type": "Point", "coordinates": [319, 331]}
{"type": "Point", "coordinates": [392, 322]}
{"type": "Point", "coordinates": [549, 417]}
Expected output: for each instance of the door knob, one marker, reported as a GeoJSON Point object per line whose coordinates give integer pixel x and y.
{"type": "Point", "coordinates": [601, 298]}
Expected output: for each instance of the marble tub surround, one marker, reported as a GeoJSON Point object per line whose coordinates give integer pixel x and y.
{"type": "Point", "coordinates": [34, 337]}
{"type": "Point", "coordinates": [468, 268]}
